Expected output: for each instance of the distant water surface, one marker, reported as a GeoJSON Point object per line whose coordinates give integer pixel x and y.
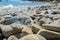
{"type": "Point", "coordinates": [20, 2]}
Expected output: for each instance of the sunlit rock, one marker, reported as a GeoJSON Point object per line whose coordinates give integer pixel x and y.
{"type": "Point", "coordinates": [33, 37]}
{"type": "Point", "coordinates": [49, 34]}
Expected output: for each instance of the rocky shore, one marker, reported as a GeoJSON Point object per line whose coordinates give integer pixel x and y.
{"type": "Point", "coordinates": [30, 22]}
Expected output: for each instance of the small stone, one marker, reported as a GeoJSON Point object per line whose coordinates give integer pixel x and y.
{"type": "Point", "coordinates": [41, 21]}
{"type": "Point", "coordinates": [49, 34]}
{"type": "Point", "coordinates": [12, 38]}
{"type": "Point", "coordinates": [17, 27]}
{"type": "Point", "coordinates": [35, 28]}
{"type": "Point", "coordinates": [55, 18]}
{"type": "Point", "coordinates": [27, 30]}
{"type": "Point", "coordinates": [33, 37]}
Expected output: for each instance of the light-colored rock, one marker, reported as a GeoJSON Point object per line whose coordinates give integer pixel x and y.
{"type": "Point", "coordinates": [49, 34]}
{"type": "Point", "coordinates": [55, 26]}
{"type": "Point", "coordinates": [33, 37]}
{"type": "Point", "coordinates": [51, 27]}
{"type": "Point", "coordinates": [12, 38]}
{"type": "Point", "coordinates": [27, 30]}
{"type": "Point", "coordinates": [4, 39]}
{"type": "Point", "coordinates": [55, 18]}
{"type": "Point", "coordinates": [57, 11]}
{"type": "Point", "coordinates": [48, 20]}
{"type": "Point", "coordinates": [6, 30]}
{"type": "Point", "coordinates": [36, 28]}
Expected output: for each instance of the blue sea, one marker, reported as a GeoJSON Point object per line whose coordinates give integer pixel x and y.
{"type": "Point", "coordinates": [20, 2]}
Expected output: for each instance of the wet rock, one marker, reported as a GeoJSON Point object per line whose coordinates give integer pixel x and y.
{"type": "Point", "coordinates": [6, 20]}
{"type": "Point", "coordinates": [6, 30]}
{"type": "Point", "coordinates": [35, 28]}
{"type": "Point", "coordinates": [33, 37]}
{"type": "Point", "coordinates": [12, 37]}
{"type": "Point", "coordinates": [26, 21]}
{"type": "Point", "coordinates": [49, 34]}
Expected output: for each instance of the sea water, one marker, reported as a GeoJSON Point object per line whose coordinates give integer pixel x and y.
{"type": "Point", "coordinates": [20, 2]}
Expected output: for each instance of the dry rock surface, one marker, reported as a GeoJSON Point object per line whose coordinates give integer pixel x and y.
{"type": "Point", "coordinates": [30, 22]}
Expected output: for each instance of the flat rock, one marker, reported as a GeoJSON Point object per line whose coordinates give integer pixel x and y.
{"type": "Point", "coordinates": [49, 34]}
{"type": "Point", "coordinates": [33, 37]}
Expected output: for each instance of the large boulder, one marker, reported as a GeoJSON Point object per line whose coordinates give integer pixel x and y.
{"type": "Point", "coordinates": [33, 37]}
